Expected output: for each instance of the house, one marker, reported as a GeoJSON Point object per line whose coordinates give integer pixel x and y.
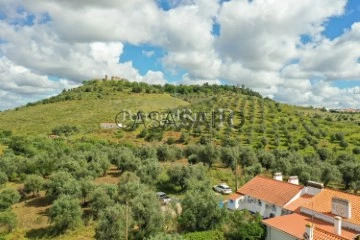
{"type": "Point", "coordinates": [333, 214]}
{"type": "Point", "coordinates": [292, 212]}
{"type": "Point", "coordinates": [266, 196]}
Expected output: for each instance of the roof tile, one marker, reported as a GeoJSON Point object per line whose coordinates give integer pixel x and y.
{"type": "Point", "coordinates": [270, 190]}
{"type": "Point", "coordinates": [294, 225]}
{"type": "Point", "coordinates": [322, 203]}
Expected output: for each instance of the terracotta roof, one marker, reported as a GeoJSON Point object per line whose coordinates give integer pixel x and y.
{"type": "Point", "coordinates": [294, 225]}
{"type": "Point", "coordinates": [322, 203]}
{"type": "Point", "coordinates": [270, 190]}
{"type": "Point", "coordinates": [235, 196]}
{"type": "Point", "coordinates": [320, 234]}
{"type": "Point", "coordinates": [295, 205]}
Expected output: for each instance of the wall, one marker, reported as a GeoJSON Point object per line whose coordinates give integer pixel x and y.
{"type": "Point", "coordinates": [275, 234]}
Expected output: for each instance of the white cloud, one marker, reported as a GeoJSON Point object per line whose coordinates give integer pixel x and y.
{"type": "Point", "coordinates": [148, 53]}
{"type": "Point", "coordinates": [259, 44]}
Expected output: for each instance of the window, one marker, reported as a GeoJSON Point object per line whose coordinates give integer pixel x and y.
{"type": "Point", "coordinates": [259, 202]}
{"type": "Point", "coordinates": [273, 208]}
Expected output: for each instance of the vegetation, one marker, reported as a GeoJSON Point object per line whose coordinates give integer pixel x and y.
{"type": "Point", "coordinates": [106, 179]}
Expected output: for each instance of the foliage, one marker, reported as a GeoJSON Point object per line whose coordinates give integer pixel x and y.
{"type": "Point", "coordinates": [112, 223]}
{"type": "Point", "coordinates": [147, 214]}
{"type": "Point", "coordinates": [8, 197]}
{"type": "Point", "coordinates": [8, 221]}
{"type": "Point", "coordinates": [242, 225]}
{"type": "Point", "coordinates": [100, 200]}
{"type": "Point", "coordinates": [3, 178]}
{"type": "Point", "coordinates": [206, 235]}
{"type": "Point", "coordinates": [65, 213]}
{"type": "Point", "coordinates": [200, 210]}
{"type": "Point", "coordinates": [62, 183]}
{"type": "Point", "coordinates": [65, 130]}
{"type": "Point", "coordinates": [149, 171]}
{"type": "Point", "coordinates": [33, 184]}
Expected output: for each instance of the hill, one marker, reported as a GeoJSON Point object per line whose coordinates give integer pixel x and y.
{"type": "Point", "coordinates": [267, 124]}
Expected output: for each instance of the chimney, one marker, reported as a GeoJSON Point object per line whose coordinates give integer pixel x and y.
{"type": "Point", "coordinates": [341, 207]}
{"type": "Point", "coordinates": [293, 180]}
{"type": "Point", "coordinates": [313, 188]}
{"type": "Point", "coordinates": [278, 176]}
{"type": "Point", "coordinates": [309, 231]}
{"type": "Point", "coordinates": [337, 225]}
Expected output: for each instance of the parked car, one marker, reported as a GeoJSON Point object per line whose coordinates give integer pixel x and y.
{"type": "Point", "coordinates": [222, 188]}
{"type": "Point", "coordinates": [163, 197]}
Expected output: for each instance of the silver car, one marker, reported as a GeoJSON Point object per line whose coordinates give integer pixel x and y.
{"type": "Point", "coordinates": [222, 188]}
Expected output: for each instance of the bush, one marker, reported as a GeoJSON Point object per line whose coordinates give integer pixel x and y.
{"type": "Point", "coordinates": [154, 135]}
{"type": "Point", "coordinates": [356, 150]}
{"type": "Point", "coordinates": [65, 130]}
{"type": "Point", "coordinates": [170, 140]}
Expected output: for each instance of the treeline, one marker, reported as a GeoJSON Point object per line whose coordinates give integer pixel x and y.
{"type": "Point", "coordinates": [99, 89]}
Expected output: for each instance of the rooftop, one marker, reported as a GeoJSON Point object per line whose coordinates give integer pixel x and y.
{"type": "Point", "coordinates": [294, 225]}
{"type": "Point", "coordinates": [322, 203]}
{"type": "Point", "coordinates": [295, 205]}
{"type": "Point", "coordinates": [270, 190]}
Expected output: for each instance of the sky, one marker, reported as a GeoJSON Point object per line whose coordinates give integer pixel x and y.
{"type": "Point", "coordinates": [297, 52]}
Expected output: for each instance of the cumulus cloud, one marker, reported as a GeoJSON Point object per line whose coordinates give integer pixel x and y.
{"type": "Point", "coordinates": [259, 45]}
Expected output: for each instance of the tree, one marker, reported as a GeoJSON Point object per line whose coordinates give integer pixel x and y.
{"type": "Point", "coordinates": [350, 173]}
{"type": "Point", "coordinates": [147, 214]}
{"type": "Point", "coordinates": [178, 175]}
{"type": "Point", "coordinates": [65, 213]}
{"type": "Point", "coordinates": [33, 184]}
{"type": "Point", "coordinates": [125, 159]}
{"type": "Point", "coordinates": [166, 153]}
{"type": "Point", "coordinates": [86, 188]}
{"type": "Point", "coordinates": [8, 197]}
{"type": "Point", "coordinates": [324, 153]}
{"type": "Point", "coordinates": [149, 171]}
{"type": "Point", "coordinates": [201, 211]}
{"type": "Point", "coordinates": [329, 173]}
{"type": "Point", "coordinates": [129, 187]}
{"type": "Point", "coordinates": [112, 223]}
{"type": "Point", "coordinates": [99, 201]}
{"type": "Point", "coordinates": [267, 159]}
{"type": "Point", "coordinates": [209, 154]}
{"type": "Point", "coordinates": [3, 178]}
{"type": "Point", "coordinates": [355, 186]}
{"type": "Point", "coordinates": [62, 183]}
{"type": "Point", "coordinates": [8, 220]}
{"type": "Point", "coordinates": [243, 225]}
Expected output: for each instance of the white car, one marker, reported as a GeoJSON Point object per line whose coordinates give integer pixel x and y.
{"type": "Point", "coordinates": [222, 188]}
{"type": "Point", "coordinates": [164, 199]}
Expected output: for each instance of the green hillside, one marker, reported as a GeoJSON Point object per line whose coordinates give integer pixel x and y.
{"type": "Point", "coordinates": [84, 107]}
{"type": "Point", "coordinates": [267, 125]}
{"type": "Point", "coordinates": [92, 170]}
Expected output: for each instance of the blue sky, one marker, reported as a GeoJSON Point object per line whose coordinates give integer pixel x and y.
{"type": "Point", "coordinates": [299, 52]}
